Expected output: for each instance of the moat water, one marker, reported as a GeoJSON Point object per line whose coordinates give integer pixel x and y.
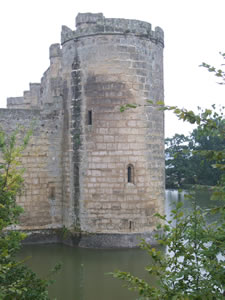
{"type": "Point", "coordinates": [83, 273]}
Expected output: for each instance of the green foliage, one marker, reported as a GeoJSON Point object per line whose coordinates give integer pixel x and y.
{"type": "Point", "coordinates": [134, 105]}
{"type": "Point", "coordinates": [191, 268]}
{"type": "Point", "coordinates": [16, 280]}
{"type": "Point", "coordinates": [127, 106]}
{"type": "Point", "coordinates": [178, 156]}
{"type": "Point", "coordinates": [218, 72]}
{"type": "Point", "coordinates": [210, 140]}
{"type": "Point", "coordinates": [192, 159]}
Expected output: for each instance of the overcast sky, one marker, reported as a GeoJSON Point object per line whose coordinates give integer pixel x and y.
{"type": "Point", "coordinates": [194, 33]}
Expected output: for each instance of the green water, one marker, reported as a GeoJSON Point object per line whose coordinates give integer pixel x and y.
{"type": "Point", "coordinates": [83, 274]}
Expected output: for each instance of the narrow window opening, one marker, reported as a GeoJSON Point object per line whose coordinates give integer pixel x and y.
{"type": "Point", "coordinates": [130, 174]}
{"type": "Point", "coordinates": [130, 225]}
{"type": "Point", "coordinates": [90, 117]}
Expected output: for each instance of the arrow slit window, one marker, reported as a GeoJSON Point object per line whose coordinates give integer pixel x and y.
{"type": "Point", "coordinates": [90, 117]}
{"type": "Point", "coordinates": [130, 173]}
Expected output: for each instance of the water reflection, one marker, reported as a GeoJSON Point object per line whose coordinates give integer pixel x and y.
{"type": "Point", "coordinates": [202, 197]}
{"type": "Point", "coordinates": [83, 273]}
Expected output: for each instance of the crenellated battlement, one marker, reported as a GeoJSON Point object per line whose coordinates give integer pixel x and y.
{"type": "Point", "coordinates": [37, 95]}
{"type": "Point", "coordinates": [88, 24]}
{"type": "Point", "coordinates": [29, 100]}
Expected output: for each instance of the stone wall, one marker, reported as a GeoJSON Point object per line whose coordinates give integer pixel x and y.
{"type": "Point", "coordinates": [42, 194]}
{"type": "Point", "coordinates": [115, 62]}
{"type": "Point", "coordinates": [41, 107]}
{"type": "Point", "coordinates": [90, 167]}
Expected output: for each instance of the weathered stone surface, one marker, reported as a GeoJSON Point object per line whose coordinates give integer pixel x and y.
{"type": "Point", "coordinates": [77, 163]}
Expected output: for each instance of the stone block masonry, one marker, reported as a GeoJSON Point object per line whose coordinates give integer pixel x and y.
{"type": "Point", "coordinates": [41, 198]}
{"type": "Point", "coordinates": [90, 167]}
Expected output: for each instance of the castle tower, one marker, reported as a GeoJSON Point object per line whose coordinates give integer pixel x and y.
{"type": "Point", "coordinates": [117, 157]}
{"type": "Point", "coordinates": [91, 167]}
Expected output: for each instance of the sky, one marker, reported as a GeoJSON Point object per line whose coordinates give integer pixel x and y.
{"type": "Point", "coordinates": [194, 33]}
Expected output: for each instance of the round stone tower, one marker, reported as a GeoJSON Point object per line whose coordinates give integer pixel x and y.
{"type": "Point", "coordinates": [117, 158]}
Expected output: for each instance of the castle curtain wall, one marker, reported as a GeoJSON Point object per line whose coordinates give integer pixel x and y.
{"type": "Point", "coordinates": [41, 196]}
